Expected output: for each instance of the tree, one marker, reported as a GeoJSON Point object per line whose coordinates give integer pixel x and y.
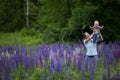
{"type": "Point", "coordinates": [11, 15]}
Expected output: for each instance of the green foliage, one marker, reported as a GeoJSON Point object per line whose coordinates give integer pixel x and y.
{"type": "Point", "coordinates": [11, 15]}
{"type": "Point", "coordinates": [108, 14]}
{"type": "Point", "coordinates": [80, 19]}
{"type": "Point", "coordinates": [61, 21]}
{"type": "Point", "coordinates": [39, 73]}
{"type": "Point", "coordinates": [19, 74]}
{"type": "Point", "coordinates": [26, 36]}
{"type": "Point", "coordinates": [82, 15]}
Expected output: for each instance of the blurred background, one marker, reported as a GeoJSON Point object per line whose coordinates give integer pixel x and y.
{"type": "Point", "coordinates": [33, 22]}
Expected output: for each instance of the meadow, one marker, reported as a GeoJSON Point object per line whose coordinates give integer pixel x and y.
{"type": "Point", "coordinates": [59, 61]}
{"type": "Point", "coordinates": [40, 39]}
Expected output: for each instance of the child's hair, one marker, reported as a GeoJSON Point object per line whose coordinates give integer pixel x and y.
{"type": "Point", "coordinates": [96, 23]}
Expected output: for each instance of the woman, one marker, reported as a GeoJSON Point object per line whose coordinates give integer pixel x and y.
{"type": "Point", "coordinates": [90, 46]}
{"type": "Point", "coordinates": [91, 53]}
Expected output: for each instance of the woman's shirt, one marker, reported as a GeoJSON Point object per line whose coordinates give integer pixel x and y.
{"type": "Point", "coordinates": [90, 47]}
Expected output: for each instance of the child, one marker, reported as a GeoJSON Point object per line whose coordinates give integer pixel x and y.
{"type": "Point", "coordinates": [96, 29]}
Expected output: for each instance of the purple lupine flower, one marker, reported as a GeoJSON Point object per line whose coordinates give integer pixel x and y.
{"type": "Point", "coordinates": [26, 63]}
{"type": "Point", "coordinates": [39, 55]}
{"type": "Point", "coordinates": [98, 50]}
{"type": "Point", "coordinates": [82, 70]}
{"type": "Point", "coordinates": [68, 48]}
{"type": "Point", "coordinates": [59, 65]}
{"type": "Point", "coordinates": [65, 54]}
{"type": "Point", "coordinates": [40, 59]}
{"type": "Point", "coordinates": [79, 62]}
{"type": "Point", "coordinates": [9, 49]}
{"type": "Point", "coordinates": [52, 55]}
{"type": "Point", "coordinates": [91, 70]}
{"type": "Point", "coordinates": [62, 51]}
{"type": "Point", "coordinates": [31, 62]}
{"type": "Point", "coordinates": [13, 65]}
{"type": "Point", "coordinates": [44, 65]}
{"type": "Point", "coordinates": [113, 60]}
{"type": "Point", "coordinates": [115, 78]}
{"type": "Point", "coordinates": [3, 49]}
{"type": "Point", "coordinates": [74, 60]}
{"type": "Point", "coordinates": [0, 51]}
{"type": "Point", "coordinates": [1, 66]}
{"type": "Point", "coordinates": [82, 65]}
{"type": "Point", "coordinates": [107, 55]}
{"type": "Point", "coordinates": [38, 50]}
{"type": "Point", "coordinates": [7, 76]}
{"type": "Point", "coordinates": [117, 54]}
{"type": "Point", "coordinates": [5, 67]}
{"type": "Point", "coordinates": [16, 49]}
{"type": "Point", "coordinates": [24, 50]}
{"type": "Point", "coordinates": [54, 48]}
{"type": "Point", "coordinates": [51, 69]}
{"type": "Point", "coordinates": [68, 59]}
{"type": "Point", "coordinates": [108, 61]}
{"type": "Point", "coordinates": [47, 51]}
{"type": "Point", "coordinates": [54, 64]}
{"type": "Point", "coordinates": [15, 59]}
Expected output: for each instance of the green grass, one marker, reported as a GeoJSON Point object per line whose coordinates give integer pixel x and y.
{"type": "Point", "coordinates": [18, 38]}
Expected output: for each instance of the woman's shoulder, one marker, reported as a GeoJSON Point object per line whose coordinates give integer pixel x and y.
{"type": "Point", "coordinates": [83, 40]}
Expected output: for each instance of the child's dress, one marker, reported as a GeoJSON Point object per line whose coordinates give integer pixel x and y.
{"type": "Point", "coordinates": [96, 37]}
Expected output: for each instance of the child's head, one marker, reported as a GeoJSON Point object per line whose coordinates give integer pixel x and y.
{"type": "Point", "coordinates": [96, 23]}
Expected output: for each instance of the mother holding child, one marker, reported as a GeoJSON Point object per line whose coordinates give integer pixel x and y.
{"type": "Point", "coordinates": [90, 41]}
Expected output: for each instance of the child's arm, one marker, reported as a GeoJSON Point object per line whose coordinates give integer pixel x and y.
{"type": "Point", "coordinates": [101, 27]}
{"type": "Point", "coordinates": [92, 27]}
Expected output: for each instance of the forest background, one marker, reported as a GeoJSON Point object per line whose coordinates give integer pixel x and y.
{"type": "Point", "coordinates": [33, 22]}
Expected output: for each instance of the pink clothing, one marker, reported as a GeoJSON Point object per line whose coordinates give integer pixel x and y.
{"type": "Point", "coordinates": [97, 27]}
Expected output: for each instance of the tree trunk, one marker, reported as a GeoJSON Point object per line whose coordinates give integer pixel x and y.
{"type": "Point", "coordinates": [27, 13]}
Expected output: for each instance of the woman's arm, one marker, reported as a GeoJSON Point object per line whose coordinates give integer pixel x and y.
{"type": "Point", "coordinates": [85, 40]}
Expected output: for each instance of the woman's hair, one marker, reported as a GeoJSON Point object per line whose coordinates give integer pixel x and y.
{"type": "Point", "coordinates": [84, 35]}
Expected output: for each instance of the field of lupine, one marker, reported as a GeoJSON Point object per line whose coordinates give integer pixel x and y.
{"type": "Point", "coordinates": [59, 62]}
